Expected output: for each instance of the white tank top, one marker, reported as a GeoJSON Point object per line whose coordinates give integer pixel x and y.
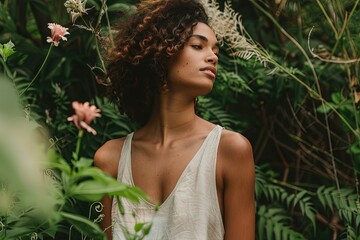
{"type": "Point", "coordinates": [190, 212]}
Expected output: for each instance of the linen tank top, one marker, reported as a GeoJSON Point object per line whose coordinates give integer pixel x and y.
{"type": "Point", "coordinates": [190, 212]}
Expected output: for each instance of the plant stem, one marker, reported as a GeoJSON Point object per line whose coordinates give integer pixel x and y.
{"type": "Point", "coordinates": [78, 144]}
{"type": "Point", "coordinates": [99, 54]}
{"type": "Point", "coordinates": [102, 11]}
{"type": "Point", "coordinates": [328, 19]}
{"type": "Point", "coordinates": [42, 66]}
{"type": "Point", "coordinates": [338, 39]}
{"type": "Point", "coordinates": [296, 188]}
{"type": "Point", "coordinates": [6, 70]}
{"type": "Point", "coordinates": [109, 29]}
{"type": "Point", "coordinates": [317, 93]}
{"type": "Point", "coordinates": [4, 65]}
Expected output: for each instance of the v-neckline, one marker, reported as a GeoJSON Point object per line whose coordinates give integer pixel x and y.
{"type": "Point", "coordinates": [159, 206]}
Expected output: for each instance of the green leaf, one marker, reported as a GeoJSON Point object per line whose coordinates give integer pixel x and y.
{"type": "Point", "coordinates": [261, 226]}
{"type": "Point", "coordinates": [17, 233]}
{"type": "Point", "coordinates": [325, 108]}
{"type": "Point", "coordinates": [120, 206]}
{"type": "Point", "coordinates": [298, 197]}
{"type": "Point", "coordinates": [58, 163]}
{"type": "Point", "coordinates": [94, 190]}
{"type": "Point", "coordinates": [337, 98]}
{"type": "Point", "coordinates": [7, 50]}
{"type": "Point", "coordinates": [6, 22]}
{"type": "Point", "coordinates": [138, 226]}
{"type": "Point", "coordinates": [321, 196]}
{"type": "Point", "coordinates": [269, 230]}
{"type": "Point", "coordinates": [93, 173]}
{"type": "Point", "coordinates": [310, 214]}
{"type": "Point", "coordinates": [355, 148]}
{"type": "Point", "coordinates": [329, 199]}
{"type": "Point", "coordinates": [91, 190]}
{"type": "Point", "coordinates": [84, 225]}
{"type": "Point", "coordinates": [277, 232]}
{"type": "Point", "coordinates": [83, 163]}
{"type": "Point", "coordinates": [121, 7]}
{"type": "Point", "coordinates": [147, 229]}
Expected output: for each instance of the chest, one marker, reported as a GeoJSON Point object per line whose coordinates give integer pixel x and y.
{"type": "Point", "coordinates": [158, 171]}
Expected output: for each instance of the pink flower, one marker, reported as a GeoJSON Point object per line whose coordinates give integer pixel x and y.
{"type": "Point", "coordinates": [84, 114]}
{"type": "Point", "coordinates": [57, 33]}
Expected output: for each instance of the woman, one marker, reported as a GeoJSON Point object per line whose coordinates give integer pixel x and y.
{"type": "Point", "coordinates": [200, 175]}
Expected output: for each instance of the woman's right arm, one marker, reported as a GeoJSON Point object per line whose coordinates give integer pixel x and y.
{"type": "Point", "coordinates": [107, 159]}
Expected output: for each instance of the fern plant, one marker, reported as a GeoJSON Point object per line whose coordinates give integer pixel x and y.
{"type": "Point", "coordinates": [345, 203]}
{"type": "Point", "coordinates": [285, 204]}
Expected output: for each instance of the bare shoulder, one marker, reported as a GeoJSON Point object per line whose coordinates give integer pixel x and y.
{"type": "Point", "coordinates": [234, 144]}
{"type": "Point", "coordinates": [235, 154]}
{"type": "Point", "coordinates": [108, 155]}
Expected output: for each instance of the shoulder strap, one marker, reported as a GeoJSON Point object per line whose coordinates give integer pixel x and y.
{"type": "Point", "coordinates": [125, 155]}
{"type": "Point", "coordinates": [214, 140]}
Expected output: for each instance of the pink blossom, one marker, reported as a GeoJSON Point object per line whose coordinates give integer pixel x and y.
{"type": "Point", "coordinates": [57, 33]}
{"type": "Point", "coordinates": [84, 114]}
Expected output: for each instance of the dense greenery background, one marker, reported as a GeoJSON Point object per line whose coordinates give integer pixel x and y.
{"type": "Point", "coordinates": [300, 110]}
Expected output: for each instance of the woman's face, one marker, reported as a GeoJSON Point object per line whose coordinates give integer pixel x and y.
{"type": "Point", "coordinates": [193, 70]}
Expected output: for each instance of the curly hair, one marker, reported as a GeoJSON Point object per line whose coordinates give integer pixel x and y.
{"type": "Point", "coordinates": [145, 41]}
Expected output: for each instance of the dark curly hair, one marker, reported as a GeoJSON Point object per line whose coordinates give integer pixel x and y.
{"type": "Point", "coordinates": [145, 41]}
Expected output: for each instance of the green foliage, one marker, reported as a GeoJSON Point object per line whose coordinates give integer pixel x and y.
{"type": "Point", "coordinates": [84, 225]}
{"type": "Point", "coordinates": [274, 224]}
{"type": "Point", "coordinates": [273, 215]}
{"type": "Point", "coordinates": [300, 112]}
{"type": "Point", "coordinates": [6, 50]}
{"type": "Point", "coordinates": [213, 111]}
{"type": "Point", "coordinates": [27, 203]}
{"type": "Point", "coordinates": [72, 178]}
{"type": "Point", "coordinates": [140, 231]}
{"type": "Point", "coordinates": [344, 202]}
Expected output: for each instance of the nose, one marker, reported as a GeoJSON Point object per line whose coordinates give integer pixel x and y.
{"type": "Point", "coordinates": [212, 58]}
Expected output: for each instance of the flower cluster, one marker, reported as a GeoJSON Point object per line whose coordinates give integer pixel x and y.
{"type": "Point", "coordinates": [76, 8]}
{"type": "Point", "coordinates": [84, 114]}
{"type": "Point", "coordinates": [58, 33]}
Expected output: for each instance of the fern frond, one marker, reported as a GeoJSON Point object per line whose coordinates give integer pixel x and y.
{"type": "Point", "coordinates": [275, 224]}
{"type": "Point", "coordinates": [231, 80]}
{"type": "Point", "coordinates": [260, 182]}
{"type": "Point", "coordinates": [350, 234]}
{"type": "Point", "coordinates": [213, 111]}
{"type": "Point", "coordinates": [345, 201]}
{"type": "Point", "coordinates": [276, 193]}
{"type": "Point", "coordinates": [21, 82]}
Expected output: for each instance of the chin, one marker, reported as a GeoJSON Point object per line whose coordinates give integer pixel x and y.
{"type": "Point", "coordinates": [204, 90]}
{"type": "Point", "coordinates": [195, 89]}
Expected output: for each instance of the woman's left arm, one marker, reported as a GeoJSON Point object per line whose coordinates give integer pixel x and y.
{"type": "Point", "coordinates": [238, 171]}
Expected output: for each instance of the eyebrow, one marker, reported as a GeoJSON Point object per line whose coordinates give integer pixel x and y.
{"type": "Point", "coordinates": [205, 39]}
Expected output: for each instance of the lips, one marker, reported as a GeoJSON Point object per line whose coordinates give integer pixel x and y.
{"type": "Point", "coordinates": [210, 71]}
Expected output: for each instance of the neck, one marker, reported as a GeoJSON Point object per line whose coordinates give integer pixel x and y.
{"type": "Point", "coordinates": [172, 117]}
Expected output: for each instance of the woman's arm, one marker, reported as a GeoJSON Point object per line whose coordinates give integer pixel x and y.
{"type": "Point", "coordinates": [238, 171]}
{"type": "Point", "coordinates": [107, 159]}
